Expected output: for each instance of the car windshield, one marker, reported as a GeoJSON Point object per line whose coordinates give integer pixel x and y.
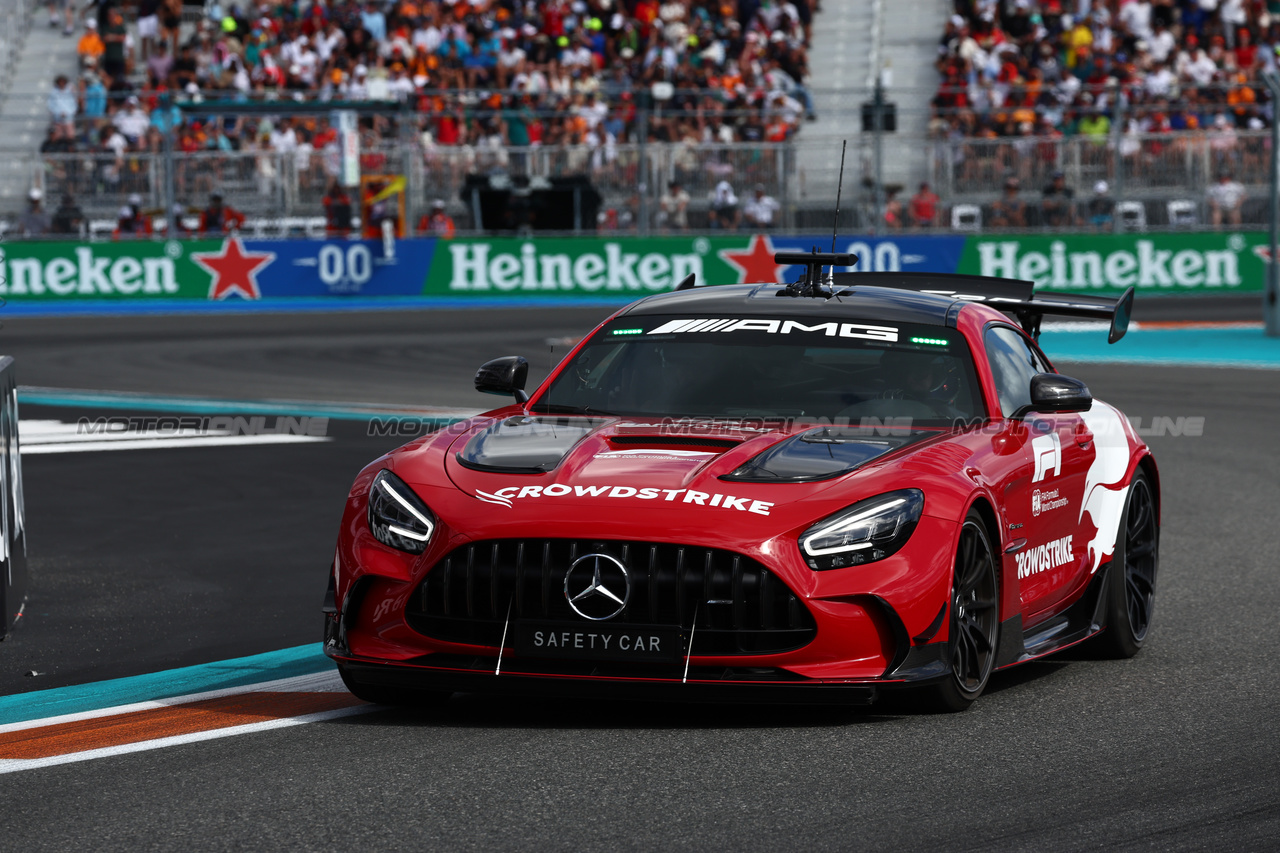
{"type": "Point", "coordinates": [814, 368]}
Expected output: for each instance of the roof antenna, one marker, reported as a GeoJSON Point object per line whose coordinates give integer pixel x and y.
{"type": "Point", "coordinates": [835, 226]}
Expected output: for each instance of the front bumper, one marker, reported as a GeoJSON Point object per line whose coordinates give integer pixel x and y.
{"type": "Point", "coordinates": [700, 686]}
{"type": "Point", "coordinates": [878, 626]}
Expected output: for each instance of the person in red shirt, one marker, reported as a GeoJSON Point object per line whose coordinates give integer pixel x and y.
{"type": "Point", "coordinates": [923, 207]}
{"type": "Point", "coordinates": [337, 211]}
{"type": "Point", "coordinates": [1246, 51]}
{"type": "Point", "coordinates": [218, 218]}
{"type": "Point", "coordinates": [132, 222]}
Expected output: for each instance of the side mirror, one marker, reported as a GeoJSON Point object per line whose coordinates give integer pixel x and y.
{"type": "Point", "coordinates": [1053, 392]}
{"type": "Point", "coordinates": [505, 375]}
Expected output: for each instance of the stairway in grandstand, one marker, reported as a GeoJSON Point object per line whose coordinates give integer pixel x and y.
{"type": "Point", "coordinates": [28, 65]}
{"type": "Point", "coordinates": [852, 40]}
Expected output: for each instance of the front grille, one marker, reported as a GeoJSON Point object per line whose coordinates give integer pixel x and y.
{"type": "Point", "coordinates": [733, 605]}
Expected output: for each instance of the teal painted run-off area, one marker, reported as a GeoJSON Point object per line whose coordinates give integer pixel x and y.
{"type": "Point", "coordinates": [174, 405]}
{"type": "Point", "coordinates": [1193, 346]}
{"type": "Point", "coordinates": [203, 678]}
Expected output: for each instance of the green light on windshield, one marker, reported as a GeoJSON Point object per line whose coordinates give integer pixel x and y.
{"type": "Point", "coordinates": [627, 332]}
{"type": "Point", "coordinates": [937, 342]}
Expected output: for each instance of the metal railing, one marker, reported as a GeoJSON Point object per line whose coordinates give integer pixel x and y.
{"type": "Point", "coordinates": [261, 182]}
{"type": "Point", "coordinates": [1158, 179]}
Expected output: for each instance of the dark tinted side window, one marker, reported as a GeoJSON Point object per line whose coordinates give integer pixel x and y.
{"type": "Point", "coordinates": [1013, 363]}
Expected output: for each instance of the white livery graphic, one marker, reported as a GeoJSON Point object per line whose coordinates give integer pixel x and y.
{"type": "Point", "coordinates": [1047, 452]}
{"type": "Point", "coordinates": [1104, 488]}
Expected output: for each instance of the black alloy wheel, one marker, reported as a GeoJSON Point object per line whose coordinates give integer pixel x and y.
{"type": "Point", "coordinates": [1131, 585]}
{"type": "Point", "coordinates": [975, 620]}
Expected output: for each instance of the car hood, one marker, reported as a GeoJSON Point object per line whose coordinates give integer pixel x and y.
{"type": "Point", "coordinates": [543, 464]}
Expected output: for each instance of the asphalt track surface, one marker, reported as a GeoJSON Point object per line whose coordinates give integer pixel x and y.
{"type": "Point", "coordinates": [150, 559]}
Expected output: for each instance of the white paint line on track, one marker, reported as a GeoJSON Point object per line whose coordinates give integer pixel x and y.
{"type": "Point", "coordinates": [162, 443]}
{"type": "Point", "coordinates": [327, 681]}
{"type": "Point", "coordinates": [13, 765]}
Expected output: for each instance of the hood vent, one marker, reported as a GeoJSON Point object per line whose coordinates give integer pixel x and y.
{"type": "Point", "coordinates": [672, 441]}
{"type": "Point", "coordinates": [820, 454]}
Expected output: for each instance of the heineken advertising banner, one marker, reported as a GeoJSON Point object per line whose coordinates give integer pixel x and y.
{"type": "Point", "coordinates": [228, 270]}
{"type": "Point", "coordinates": [635, 267]}
{"type": "Point", "coordinates": [1106, 264]}
{"type": "Point", "coordinates": [210, 270]}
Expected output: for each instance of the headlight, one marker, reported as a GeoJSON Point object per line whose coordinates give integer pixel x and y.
{"type": "Point", "coordinates": [398, 517]}
{"type": "Point", "coordinates": [869, 530]}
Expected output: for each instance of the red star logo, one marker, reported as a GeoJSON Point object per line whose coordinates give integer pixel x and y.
{"type": "Point", "coordinates": [1263, 253]}
{"type": "Point", "coordinates": [234, 270]}
{"type": "Point", "coordinates": [754, 263]}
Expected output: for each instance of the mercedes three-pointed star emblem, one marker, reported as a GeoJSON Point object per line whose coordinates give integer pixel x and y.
{"type": "Point", "coordinates": [592, 584]}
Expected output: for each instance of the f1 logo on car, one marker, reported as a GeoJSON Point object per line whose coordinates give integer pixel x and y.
{"type": "Point", "coordinates": [1047, 451]}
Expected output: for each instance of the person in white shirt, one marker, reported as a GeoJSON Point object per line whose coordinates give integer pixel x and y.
{"type": "Point", "coordinates": [1197, 67]}
{"type": "Point", "coordinates": [358, 87]}
{"type": "Point", "coordinates": [1162, 43]}
{"type": "Point", "coordinates": [761, 210]}
{"type": "Point", "coordinates": [593, 111]}
{"type": "Point", "coordinates": [308, 63]}
{"type": "Point", "coordinates": [1136, 17]}
{"type": "Point", "coordinates": [1234, 16]}
{"type": "Point", "coordinates": [132, 121]}
{"type": "Point", "coordinates": [1226, 197]}
{"type": "Point", "coordinates": [283, 138]}
{"type": "Point", "coordinates": [400, 86]}
{"type": "Point", "coordinates": [724, 207]}
{"type": "Point", "coordinates": [329, 41]}
{"type": "Point", "coordinates": [784, 106]}
{"type": "Point", "coordinates": [673, 207]}
{"type": "Point", "coordinates": [427, 38]}
{"type": "Point", "coordinates": [1159, 83]}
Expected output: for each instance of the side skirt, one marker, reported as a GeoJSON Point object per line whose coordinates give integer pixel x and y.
{"type": "Point", "coordinates": [1078, 622]}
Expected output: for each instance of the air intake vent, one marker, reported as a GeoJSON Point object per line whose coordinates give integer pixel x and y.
{"type": "Point", "coordinates": [739, 606]}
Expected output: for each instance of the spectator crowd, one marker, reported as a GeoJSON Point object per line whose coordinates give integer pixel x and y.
{"type": "Point", "coordinates": [1048, 68]}
{"type": "Point", "coordinates": [481, 72]}
{"type": "Point", "coordinates": [1140, 86]}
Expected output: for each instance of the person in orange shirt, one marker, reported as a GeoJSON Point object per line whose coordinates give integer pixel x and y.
{"type": "Point", "coordinates": [90, 47]}
{"type": "Point", "coordinates": [1240, 97]}
{"type": "Point", "coordinates": [437, 223]}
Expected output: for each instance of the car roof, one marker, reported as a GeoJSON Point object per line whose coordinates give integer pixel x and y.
{"type": "Point", "coordinates": [864, 302]}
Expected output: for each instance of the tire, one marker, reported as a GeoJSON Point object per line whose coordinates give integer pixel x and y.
{"type": "Point", "coordinates": [974, 621]}
{"type": "Point", "coordinates": [381, 694]}
{"type": "Point", "coordinates": [1131, 577]}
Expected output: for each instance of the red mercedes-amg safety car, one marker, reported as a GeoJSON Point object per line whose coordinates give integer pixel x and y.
{"type": "Point", "coordinates": [807, 492]}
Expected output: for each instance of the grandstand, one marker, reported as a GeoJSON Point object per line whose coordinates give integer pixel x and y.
{"type": "Point", "coordinates": [1156, 109]}
{"type": "Point", "coordinates": [30, 56]}
{"type": "Point", "coordinates": [1152, 119]}
{"type": "Point", "coordinates": [634, 95]}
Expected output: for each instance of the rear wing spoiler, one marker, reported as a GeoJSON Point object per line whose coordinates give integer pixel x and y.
{"type": "Point", "coordinates": [1009, 295]}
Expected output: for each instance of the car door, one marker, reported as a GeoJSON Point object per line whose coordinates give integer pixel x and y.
{"type": "Point", "coordinates": [1042, 498]}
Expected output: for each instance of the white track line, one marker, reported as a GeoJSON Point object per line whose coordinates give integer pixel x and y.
{"type": "Point", "coordinates": [327, 681]}
{"type": "Point", "coordinates": [162, 443]}
{"type": "Point", "coordinates": [13, 765]}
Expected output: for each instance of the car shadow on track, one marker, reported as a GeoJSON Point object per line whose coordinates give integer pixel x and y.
{"type": "Point", "coordinates": [470, 711]}
{"type": "Point", "coordinates": [475, 710]}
